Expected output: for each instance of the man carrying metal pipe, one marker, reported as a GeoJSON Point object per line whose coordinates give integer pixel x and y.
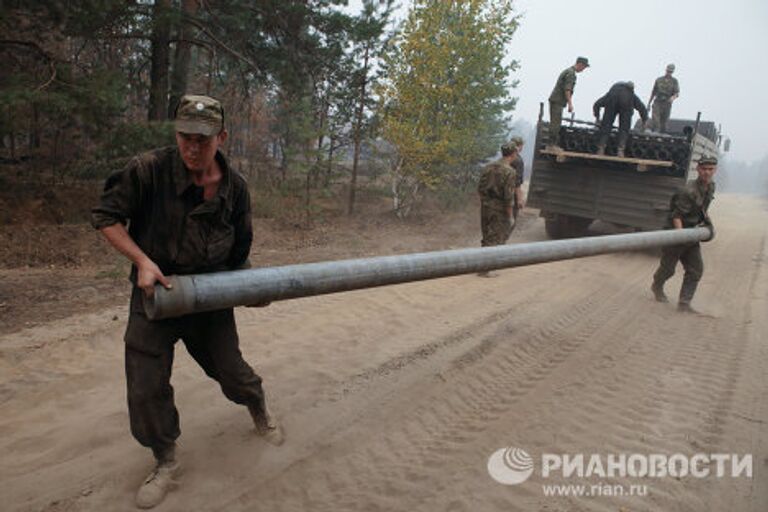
{"type": "Point", "coordinates": [688, 208]}
{"type": "Point", "coordinates": [187, 212]}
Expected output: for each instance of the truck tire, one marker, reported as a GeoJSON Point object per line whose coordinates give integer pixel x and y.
{"type": "Point", "coordinates": [566, 226]}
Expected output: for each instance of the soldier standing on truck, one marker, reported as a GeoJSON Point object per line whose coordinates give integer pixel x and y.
{"type": "Point", "coordinates": [620, 100]}
{"type": "Point", "coordinates": [561, 96]}
{"type": "Point", "coordinates": [519, 165]}
{"type": "Point", "coordinates": [688, 208]}
{"type": "Point", "coordinates": [665, 91]}
{"type": "Point", "coordinates": [496, 189]}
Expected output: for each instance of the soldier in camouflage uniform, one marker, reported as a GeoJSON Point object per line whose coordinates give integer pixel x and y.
{"type": "Point", "coordinates": [561, 96]}
{"type": "Point", "coordinates": [519, 166]}
{"type": "Point", "coordinates": [665, 91]}
{"type": "Point", "coordinates": [688, 208]}
{"type": "Point", "coordinates": [496, 189]}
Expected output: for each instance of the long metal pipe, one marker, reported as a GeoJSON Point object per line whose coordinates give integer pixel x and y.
{"type": "Point", "coordinates": [208, 292]}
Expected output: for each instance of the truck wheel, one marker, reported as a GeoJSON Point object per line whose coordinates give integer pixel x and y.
{"type": "Point", "coordinates": [566, 226]}
{"type": "Point", "coordinates": [552, 227]}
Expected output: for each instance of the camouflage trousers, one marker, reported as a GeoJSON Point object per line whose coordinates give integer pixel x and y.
{"type": "Point", "coordinates": [210, 338]}
{"type": "Point", "coordinates": [690, 256]}
{"type": "Point", "coordinates": [496, 226]}
{"type": "Point", "coordinates": [660, 113]}
{"type": "Point", "coordinates": [555, 120]}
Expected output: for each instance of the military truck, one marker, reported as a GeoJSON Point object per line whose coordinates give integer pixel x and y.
{"type": "Point", "coordinates": [575, 187]}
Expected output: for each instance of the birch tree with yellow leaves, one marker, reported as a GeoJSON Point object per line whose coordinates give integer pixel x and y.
{"type": "Point", "coordinates": [446, 96]}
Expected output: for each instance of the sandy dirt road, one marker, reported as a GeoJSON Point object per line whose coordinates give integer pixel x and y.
{"type": "Point", "coordinates": [393, 399]}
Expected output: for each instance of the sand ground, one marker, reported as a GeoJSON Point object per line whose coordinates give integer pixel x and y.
{"type": "Point", "coordinates": [394, 398]}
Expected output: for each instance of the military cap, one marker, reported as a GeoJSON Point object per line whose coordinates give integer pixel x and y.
{"type": "Point", "coordinates": [582, 60]}
{"type": "Point", "coordinates": [518, 140]}
{"type": "Point", "coordinates": [707, 160]}
{"type": "Point", "coordinates": [670, 67]}
{"type": "Point", "coordinates": [199, 114]}
{"type": "Point", "coordinates": [509, 148]}
{"type": "Point", "coordinates": [630, 84]}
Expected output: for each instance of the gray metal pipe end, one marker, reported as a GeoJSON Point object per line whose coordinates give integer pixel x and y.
{"type": "Point", "coordinates": [177, 301]}
{"type": "Point", "coordinates": [711, 230]}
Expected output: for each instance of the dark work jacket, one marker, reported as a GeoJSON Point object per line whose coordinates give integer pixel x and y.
{"type": "Point", "coordinates": [169, 219]}
{"type": "Point", "coordinates": [620, 98]}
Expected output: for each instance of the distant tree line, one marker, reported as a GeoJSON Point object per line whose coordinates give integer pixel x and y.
{"type": "Point", "coordinates": [304, 83]}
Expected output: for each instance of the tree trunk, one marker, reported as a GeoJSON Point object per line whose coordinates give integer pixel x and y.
{"type": "Point", "coordinates": [158, 78]}
{"type": "Point", "coordinates": [357, 134]}
{"type": "Point", "coordinates": [182, 57]}
{"type": "Point", "coordinates": [329, 169]}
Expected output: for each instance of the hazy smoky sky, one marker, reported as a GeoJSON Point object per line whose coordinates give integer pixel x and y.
{"type": "Point", "coordinates": [719, 48]}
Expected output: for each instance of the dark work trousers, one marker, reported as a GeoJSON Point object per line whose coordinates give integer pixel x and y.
{"type": "Point", "coordinates": [690, 256]}
{"type": "Point", "coordinates": [609, 116]}
{"type": "Point", "coordinates": [555, 120]}
{"type": "Point", "coordinates": [210, 338]}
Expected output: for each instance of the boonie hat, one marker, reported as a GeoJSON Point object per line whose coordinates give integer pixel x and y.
{"type": "Point", "coordinates": [670, 67]}
{"type": "Point", "coordinates": [199, 114]}
{"type": "Point", "coordinates": [582, 60]}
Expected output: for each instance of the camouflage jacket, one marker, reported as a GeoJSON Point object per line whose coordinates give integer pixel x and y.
{"type": "Point", "coordinates": [497, 185]}
{"type": "Point", "coordinates": [665, 87]}
{"type": "Point", "coordinates": [565, 82]}
{"type": "Point", "coordinates": [169, 219]}
{"type": "Point", "coordinates": [691, 203]}
{"type": "Point", "coordinates": [519, 165]}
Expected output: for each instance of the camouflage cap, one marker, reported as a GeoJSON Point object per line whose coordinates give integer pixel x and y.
{"type": "Point", "coordinates": [670, 67]}
{"type": "Point", "coordinates": [199, 114]}
{"type": "Point", "coordinates": [707, 160]}
{"type": "Point", "coordinates": [509, 148]}
{"type": "Point", "coordinates": [582, 60]}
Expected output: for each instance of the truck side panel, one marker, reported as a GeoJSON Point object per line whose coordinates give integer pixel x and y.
{"type": "Point", "coordinates": [619, 196]}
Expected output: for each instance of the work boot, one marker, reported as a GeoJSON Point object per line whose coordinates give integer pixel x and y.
{"type": "Point", "coordinates": [266, 425]}
{"type": "Point", "coordinates": [658, 293]}
{"type": "Point", "coordinates": [159, 482]}
{"type": "Point", "coordinates": [685, 307]}
{"type": "Point", "coordinates": [600, 150]}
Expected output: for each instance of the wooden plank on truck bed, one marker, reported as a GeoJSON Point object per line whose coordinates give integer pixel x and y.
{"type": "Point", "coordinates": [642, 163]}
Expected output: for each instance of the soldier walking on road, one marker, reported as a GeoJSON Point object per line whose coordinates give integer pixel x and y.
{"type": "Point", "coordinates": [688, 208]}
{"type": "Point", "coordinates": [665, 91]}
{"type": "Point", "coordinates": [497, 189]}
{"type": "Point", "coordinates": [621, 101]}
{"type": "Point", "coordinates": [187, 212]}
{"type": "Point", "coordinates": [561, 96]}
